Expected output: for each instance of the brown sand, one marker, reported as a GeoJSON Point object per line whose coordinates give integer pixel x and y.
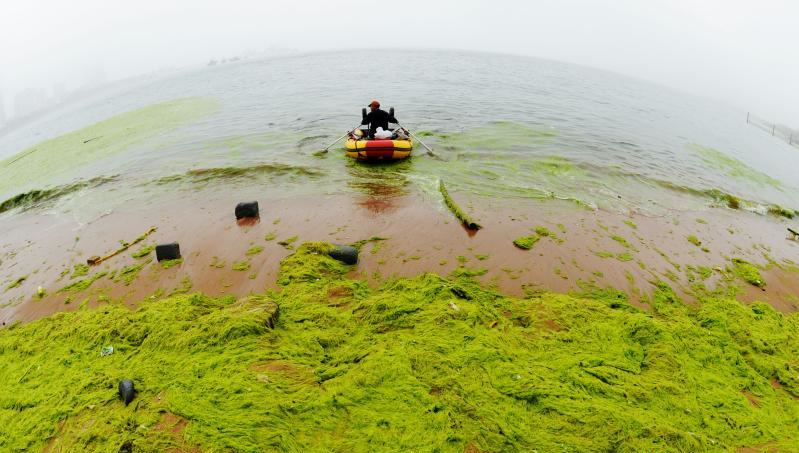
{"type": "Point", "coordinates": [422, 237]}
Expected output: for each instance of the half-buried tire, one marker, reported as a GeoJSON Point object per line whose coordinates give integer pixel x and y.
{"type": "Point", "coordinates": [347, 254]}
{"type": "Point", "coordinates": [169, 251]}
{"type": "Point", "coordinates": [246, 209]}
{"type": "Point", "coordinates": [126, 391]}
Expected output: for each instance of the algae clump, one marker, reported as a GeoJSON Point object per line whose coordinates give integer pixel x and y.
{"type": "Point", "coordinates": [526, 242]}
{"type": "Point", "coordinates": [79, 270]}
{"type": "Point", "coordinates": [39, 197]}
{"type": "Point", "coordinates": [241, 266]}
{"type": "Point", "coordinates": [143, 251]}
{"type": "Point", "coordinates": [747, 272]}
{"type": "Point", "coordinates": [254, 250]}
{"type": "Point", "coordinates": [82, 284]}
{"type": "Point", "coordinates": [16, 282]}
{"type": "Point", "coordinates": [167, 264]}
{"type": "Point", "coordinates": [424, 363]}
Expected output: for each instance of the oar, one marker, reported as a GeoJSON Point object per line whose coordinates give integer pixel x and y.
{"type": "Point", "coordinates": [328, 146]}
{"type": "Point", "coordinates": [429, 151]}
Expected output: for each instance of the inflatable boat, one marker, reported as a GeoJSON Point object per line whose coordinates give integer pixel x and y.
{"type": "Point", "coordinates": [374, 149]}
{"type": "Point", "coordinates": [360, 147]}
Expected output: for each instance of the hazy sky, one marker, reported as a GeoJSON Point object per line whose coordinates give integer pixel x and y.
{"type": "Point", "coordinates": [745, 53]}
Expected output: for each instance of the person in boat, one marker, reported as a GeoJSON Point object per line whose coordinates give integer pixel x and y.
{"type": "Point", "coordinates": [377, 118]}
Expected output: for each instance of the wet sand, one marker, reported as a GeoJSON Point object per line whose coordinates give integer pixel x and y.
{"type": "Point", "coordinates": [421, 236]}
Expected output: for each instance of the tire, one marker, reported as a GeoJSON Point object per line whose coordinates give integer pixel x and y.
{"type": "Point", "coordinates": [126, 391]}
{"type": "Point", "coordinates": [169, 251]}
{"type": "Point", "coordinates": [246, 209]}
{"type": "Point", "coordinates": [347, 254]}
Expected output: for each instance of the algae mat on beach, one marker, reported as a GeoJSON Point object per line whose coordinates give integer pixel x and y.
{"type": "Point", "coordinates": [423, 364]}
{"type": "Point", "coordinates": [110, 136]}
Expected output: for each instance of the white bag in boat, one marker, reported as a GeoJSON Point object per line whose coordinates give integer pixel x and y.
{"type": "Point", "coordinates": [380, 133]}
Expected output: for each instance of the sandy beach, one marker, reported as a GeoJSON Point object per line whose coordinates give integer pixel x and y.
{"type": "Point", "coordinates": [416, 234]}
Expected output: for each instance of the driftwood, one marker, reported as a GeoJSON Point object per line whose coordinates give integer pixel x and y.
{"type": "Point", "coordinates": [95, 260]}
{"type": "Point", "coordinates": [456, 210]}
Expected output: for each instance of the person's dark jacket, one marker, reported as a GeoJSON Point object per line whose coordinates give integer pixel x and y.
{"type": "Point", "coordinates": [377, 118]}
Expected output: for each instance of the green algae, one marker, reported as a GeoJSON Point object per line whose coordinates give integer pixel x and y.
{"type": "Point", "coordinates": [270, 236]}
{"type": "Point", "coordinates": [694, 240]}
{"type": "Point", "coordinates": [545, 232]}
{"type": "Point", "coordinates": [526, 242]}
{"type": "Point", "coordinates": [495, 136]}
{"type": "Point", "coordinates": [455, 209]}
{"type": "Point", "coordinates": [779, 211]}
{"type": "Point", "coordinates": [217, 263]}
{"type": "Point", "coordinates": [372, 240]}
{"type": "Point", "coordinates": [41, 197]}
{"type": "Point", "coordinates": [747, 272]}
{"type": "Point", "coordinates": [631, 224]}
{"type": "Point", "coordinates": [168, 264]}
{"type": "Point", "coordinates": [207, 175]}
{"type": "Point", "coordinates": [254, 250]}
{"type": "Point", "coordinates": [701, 272]}
{"type": "Point", "coordinates": [624, 256]}
{"type": "Point", "coordinates": [143, 251]}
{"type": "Point", "coordinates": [16, 282]}
{"type": "Point", "coordinates": [241, 266]}
{"type": "Point", "coordinates": [105, 138]}
{"type": "Point", "coordinates": [79, 270]}
{"type": "Point", "coordinates": [426, 363]}
{"type": "Point", "coordinates": [288, 243]}
{"type": "Point", "coordinates": [462, 271]}
{"type": "Point", "coordinates": [127, 274]}
{"type": "Point", "coordinates": [733, 167]}
{"type": "Point", "coordinates": [622, 241]}
{"type": "Point", "coordinates": [82, 284]}
{"type": "Point", "coordinates": [733, 202]}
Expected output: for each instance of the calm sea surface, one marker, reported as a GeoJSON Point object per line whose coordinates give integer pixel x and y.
{"type": "Point", "coordinates": [501, 126]}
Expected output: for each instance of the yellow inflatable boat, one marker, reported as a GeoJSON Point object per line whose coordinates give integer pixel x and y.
{"type": "Point", "coordinates": [372, 149]}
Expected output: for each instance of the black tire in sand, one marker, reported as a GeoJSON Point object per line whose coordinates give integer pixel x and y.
{"type": "Point", "coordinates": [246, 209]}
{"type": "Point", "coordinates": [347, 254]}
{"type": "Point", "coordinates": [169, 251]}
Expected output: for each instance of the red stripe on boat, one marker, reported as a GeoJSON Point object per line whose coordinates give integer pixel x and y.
{"type": "Point", "coordinates": [380, 144]}
{"type": "Point", "coordinates": [378, 153]}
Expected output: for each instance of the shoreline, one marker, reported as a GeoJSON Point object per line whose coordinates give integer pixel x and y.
{"type": "Point", "coordinates": [587, 249]}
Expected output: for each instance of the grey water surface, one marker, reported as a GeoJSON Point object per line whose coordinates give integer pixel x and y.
{"type": "Point", "coordinates": [500, 126]}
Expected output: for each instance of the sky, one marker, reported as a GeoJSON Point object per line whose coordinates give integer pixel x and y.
{"type": "Point", "coordinates": [743, 53]}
